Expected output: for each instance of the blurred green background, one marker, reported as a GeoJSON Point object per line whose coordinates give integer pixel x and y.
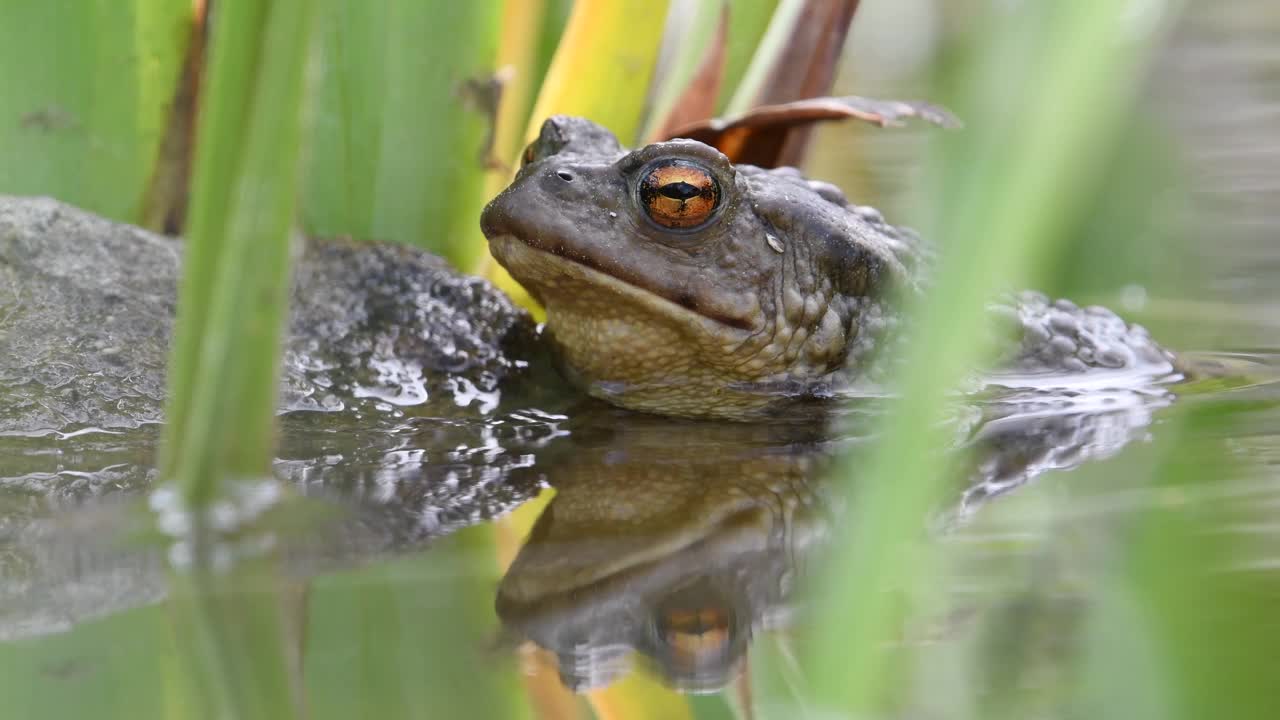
{"type": "Point", "coordinates": [1115, 151]}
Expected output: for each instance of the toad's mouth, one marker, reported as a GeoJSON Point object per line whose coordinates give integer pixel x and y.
{"type": "Point", "coordinates": [543, 264]}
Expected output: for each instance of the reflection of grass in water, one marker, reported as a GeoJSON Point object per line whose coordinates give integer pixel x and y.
{"type": "Point", "coordinates": [1044, 92]}
{"type": "Point", "coordinates": [404, 639]}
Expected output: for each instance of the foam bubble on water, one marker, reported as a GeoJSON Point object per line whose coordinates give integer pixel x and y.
{"type": "Point", "coordinates": [1133, 298]}
{"type": "Point", "coordinates": [228, 524]}
{"type": "Point", "coordinates": [466, 392]}
{"type": "Point", "coordinates": [399, 382]}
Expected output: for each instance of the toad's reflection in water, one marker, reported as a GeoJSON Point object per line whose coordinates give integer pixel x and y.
{"type": "Point", "coordinates": [680, 541]}
{"type": "Point", "coordinates": [674, 539]}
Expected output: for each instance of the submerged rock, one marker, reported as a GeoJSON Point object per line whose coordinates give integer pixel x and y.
{"type": "Point", "coordinates": [87, 307]}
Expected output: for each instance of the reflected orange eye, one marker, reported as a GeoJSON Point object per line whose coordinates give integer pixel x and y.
{"type": "Point", "coordinates": [679, 194]}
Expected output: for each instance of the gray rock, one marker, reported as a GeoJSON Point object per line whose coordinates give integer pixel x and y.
{"type": "Point", "coordinates": [378, 334]}
{"type": "Point", "coordinates": [87, 307]}
{"type": "Point", "coordinates": [86, 310]}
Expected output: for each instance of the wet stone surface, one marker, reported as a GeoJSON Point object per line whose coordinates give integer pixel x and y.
{"type": "Point", "coordinates": [391, 405]}
{"type": "Point", "coordinates": [86, 310]}
{"type": "Point", "coordinates": [87, 307]}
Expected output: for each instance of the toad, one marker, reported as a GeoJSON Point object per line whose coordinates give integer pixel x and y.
{"type": "Point", "coordinates": [680, 284]}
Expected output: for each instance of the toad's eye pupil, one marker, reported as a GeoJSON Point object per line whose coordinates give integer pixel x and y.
{"type": "Point", "coordinates": [680, 190]}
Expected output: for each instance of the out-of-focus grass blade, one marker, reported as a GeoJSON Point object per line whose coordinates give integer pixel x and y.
{"type": "Point", "coordinates": [84, 87]}
{"type": "Point", "coordinates": [766, 54]}
{"type": "Point", "coordinates": [398, 147]}
{"type": "Point", "coordinates": [223, 380]}
{"type": "Point", "coordinates": [1186, 626]}
{"type": "Point", "coordinates": [597, 74]}
{"type": "Point", "coordinates": [113, 664]}
{"type": "Point", "coordinates": [232, 305]}
{"type": "Point", "coordinates": [797, 56]}
{"type": "Point", "coordinates": [692, 68]}
{"type": "Point", "coordinates": [748, 22]}
{"type": "Point", "coordinates": [1055, 81]}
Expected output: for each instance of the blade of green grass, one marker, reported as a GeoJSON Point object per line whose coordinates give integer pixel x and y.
{"type": "Point", "coordinates": [1002, 188]}
{"type": "Point", "coordinates": [690, 37]}
{"type": "Point", "coordinates": [555, 18]}
{"type": "Point", "coordinates": [223, 379]}
{"type": "Point", "coordinates": [84, 90]}
{"type": "Point", "coordinates": [397, 151]}
{"type": "Point", "coordinates": [765, 53]}
{"type": "Point", "coordinates": [233, 297]}
{"type": "Point", "coordinates": [748, 22]}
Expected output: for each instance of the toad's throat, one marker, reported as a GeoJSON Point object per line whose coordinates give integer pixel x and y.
{"type": "Point", "coordinates": [674, 295]}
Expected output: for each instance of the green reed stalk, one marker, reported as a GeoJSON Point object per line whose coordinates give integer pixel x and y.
{"type": "Point", "coordinates": [84, 90]}
{"type": "Point", "coordinates": [223, 379]}
{"type": "Point", "coordinates": [1042, 103]}
{"type": "Point", "coordinates": [400, 149]}
{"type": "Point", "coordinates": [234, 295]}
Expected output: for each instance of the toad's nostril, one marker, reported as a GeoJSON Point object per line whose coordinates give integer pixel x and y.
{"type": "Point", "coordinates": [564, 175]}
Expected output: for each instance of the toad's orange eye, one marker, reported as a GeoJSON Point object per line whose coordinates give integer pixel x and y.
{"type": "Point", "coordinates": [679, 194]}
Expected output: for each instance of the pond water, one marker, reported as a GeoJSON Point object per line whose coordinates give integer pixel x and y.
{"type": "Point", "coordinates": [528, 545]}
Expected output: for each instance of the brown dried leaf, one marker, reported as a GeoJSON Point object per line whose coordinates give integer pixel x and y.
{"type": "Point", "coordinates": [483, 93]}
{"type": "Point", "coordinates": [759, 136]}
